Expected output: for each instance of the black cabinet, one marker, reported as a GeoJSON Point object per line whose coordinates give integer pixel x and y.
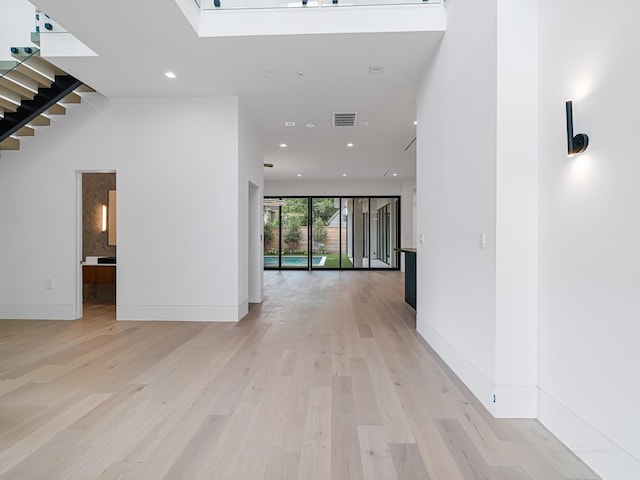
{"type": "Point", "coordinates": [410, 275]}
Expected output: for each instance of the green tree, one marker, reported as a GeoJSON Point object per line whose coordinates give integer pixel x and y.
{"type": "Point", "coordinates": [267, 235]}
{"type": "Point", "coordinates": [298, 207]}
{"type": "Point", "coordinates": [319, 232]}
{"type": "Point", "coordinates": [292, 232]}
{"type": "Point", "coordinates": [323, 208]}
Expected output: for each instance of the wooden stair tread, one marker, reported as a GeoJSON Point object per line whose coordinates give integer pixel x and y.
{"type": "Point", "coordinates": [41, 79]}
{"type": "Point", "coordinates": [7, 106]}
{"type": "Point", "coordinates": [10, 144]}
{"type": "Point", "coordinates": [22, 79]}
{"type": "Point", "coordinates": [71, 98]}
{"type": "Point", "coordinates": [25, 131]}
{"type": "Point", "coordinates": [24, 93]}
{"type": "Point", "coordinates": [40, 121]}
{"type": "Point", "coordinates": [56, 109]}
{"type": "Point", "coordinates": [9, 95]}
{"type": "Point", "coordinates": [42, 66]}
{"type": "Point", "coordinates": [85, 89]}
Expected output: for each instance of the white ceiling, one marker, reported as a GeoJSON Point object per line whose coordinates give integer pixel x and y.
{"type": "Point", "coordinates": [137, 41]}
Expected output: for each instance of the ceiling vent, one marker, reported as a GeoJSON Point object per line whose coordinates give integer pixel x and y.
{"type": "Point", "coordinates": [344, 119]}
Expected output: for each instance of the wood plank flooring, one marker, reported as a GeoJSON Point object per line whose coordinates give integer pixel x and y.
{"type": "Point", "coordinates": [325, 380]}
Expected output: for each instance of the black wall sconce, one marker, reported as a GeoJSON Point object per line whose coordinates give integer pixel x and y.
{"type": "Point", "coordinates": [579, 142]}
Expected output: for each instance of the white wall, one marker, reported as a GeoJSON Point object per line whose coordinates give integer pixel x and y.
{"type": "Point", "coordinates": [589, 233]}
{"type": "Point", "coordinates": [307, 21]}
{"type": "Point", "coordinates": [363, 188]}
{"type": "Point", "coordinates": [408, 218]}
{"type": "Point", "coordinates": [249, 241]}
{"type": "Point", "coordinates": [177, 240]}
{"type": "Point", "coordinates": [481, 308]}
{"type": "Point", "coordinates": [177, 248]}
{"type": "Point", "coordinates": [477, 202]}
{"type": "Point", "coordinates": [456, 188]}
{"type": "Point", "coordinates": [516, 235]}
{"type": "Point", "coordinates": [17, 22]}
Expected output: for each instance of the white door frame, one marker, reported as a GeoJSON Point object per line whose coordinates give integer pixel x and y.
{"type": "Point", "coordinates": [255, 272]}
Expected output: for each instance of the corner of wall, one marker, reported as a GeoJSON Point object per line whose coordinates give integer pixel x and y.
{"type": "Point", "coordinates": [607, 458]}
{"type": "Point", "coordinates": [469, 374]}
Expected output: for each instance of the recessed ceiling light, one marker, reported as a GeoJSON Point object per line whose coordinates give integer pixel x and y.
{"type": "Point", "coordinates": [344, 174]}
{"type": "Point", "coordinates": [310, 125]}
{"type": "Point", "coordinates": [375, 69]}
{"type": "Point", "coordinates": [349, 145]}
{"type": "Point", "coordinates": [363, 123]}
{"type": "Point", "coordinates": [289, 124]}
{"type": "Point", "coordinates": [395, 174]}
{"type": "Point", "coordinates": [299, 175]}
{"type": "Point", "coordinates": [283, 145]}
{"type": "Point", "coordinates": [415, 122]}
{"type": "Point", "coordinates": [169, 74]}
{"type": "Point", "coordinates": [300, 73]}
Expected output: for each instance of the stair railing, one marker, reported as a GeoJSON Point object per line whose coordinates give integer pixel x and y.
{"type": "Point", "coordinates": [270, 4]}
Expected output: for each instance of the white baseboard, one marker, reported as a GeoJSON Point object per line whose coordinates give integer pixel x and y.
{"type": "Point", "coordinates": [37, 312]}
{"type": "Point", "coordinates": [502, 401]}
{"type": "Point", "coordinates": [516, 401]}
{"type": "Point", "coordinates": [605, 457]}
{"type": "Point", "coordinates": [473, 378]}
{"type": "Point", "coordinates": [179, 313]}
{"type": "Point", "coordinates": [258, 298]}
{"type": "Point", "coordinates": [243, 309]}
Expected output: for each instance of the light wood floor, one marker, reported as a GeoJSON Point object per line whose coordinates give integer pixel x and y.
{"type": "Point", "coordinates": [325, 380]}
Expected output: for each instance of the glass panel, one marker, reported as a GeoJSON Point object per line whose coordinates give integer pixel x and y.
{"type": "Point", "coordinates": [325, 232]}
{"type": "Point", "coordinates": [361, 232]}
{"type": "Point", "coordinates": [247, 4]}
{"type": "Point", "coordinates": [263, 4]}
{"type": "Point", "coordinates": [295, 228]}
{"type": "Point", "coordinates": [346, 233]}
{"type": "Point", "coordinates": [44, 24]}
{"type": "Point", "coordinates": [384, 232]}
{"type": "Point", "coordinates": [365, 3]}
{"type": "Point", "coordinates": [271, 232]}
{"type": "Point", "coordinates": [9, 68]}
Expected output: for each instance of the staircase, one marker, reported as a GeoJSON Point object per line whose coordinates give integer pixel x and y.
{"type": "Point", "coordinates": [32, 90]}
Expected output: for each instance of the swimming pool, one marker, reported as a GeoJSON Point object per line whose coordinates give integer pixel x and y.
{"type": "Point", "coordinates": [297, 261]}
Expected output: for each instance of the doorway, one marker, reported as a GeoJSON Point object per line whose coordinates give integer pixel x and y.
{"type": "Point", "coordinates": [96, 244]}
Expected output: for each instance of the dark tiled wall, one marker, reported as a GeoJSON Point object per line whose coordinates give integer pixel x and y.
{"type": "Point", "coordinates": [95, 193]}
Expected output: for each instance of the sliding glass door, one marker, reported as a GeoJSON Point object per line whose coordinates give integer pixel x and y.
{"type": "Point", "coordinates": [286, 239]}
{"type": "Point", "coordinates": [383, 228]}
{"type": "Point", "coordinates": [331, 232]}
{"type": "Point", "coordinates": [346, 233]}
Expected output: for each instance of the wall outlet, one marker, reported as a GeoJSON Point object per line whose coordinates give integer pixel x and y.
{"type": "Point", "coordinates": [48, 283]}
{"type": "Point", "coordinates": [483, 240]}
